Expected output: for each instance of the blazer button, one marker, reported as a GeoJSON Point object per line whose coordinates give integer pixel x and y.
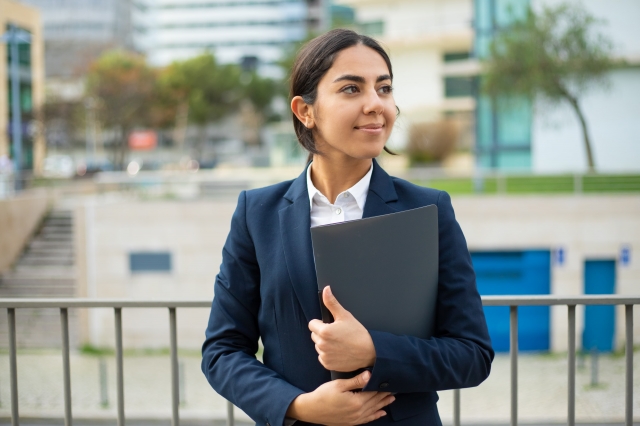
{"type": "Point", "coordinates": [383, 385]}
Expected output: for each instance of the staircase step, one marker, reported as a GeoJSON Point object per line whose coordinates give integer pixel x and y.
{"type": "Point", "coordinates": [44, 269]}
{"type": "Point", "coordinates": [49, 244]}
{"type": "Point", "coordinates": [39, 328]}
{"type": "Point", "coordinates": [46, 251]}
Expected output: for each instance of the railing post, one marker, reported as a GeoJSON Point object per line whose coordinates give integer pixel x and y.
{"type": "Point", "coordinates": [230, 420]}
{"type": "Point", "coordinates": [66, 368]}
{"type": "Point", "coordinates": [513, 338]}
{"type": "Point", "coordinates": [628, 310]}
{"type": "Point", "coordinates": [175, 393]}
{"type": "Point", "coordinates": [571, 400]}
{"type": "Point", "coordinates": [119, 366]}
{"type": "Point", "coordinates": [456, 407]}
{"type": "Point", "coordinates": [13, 362]}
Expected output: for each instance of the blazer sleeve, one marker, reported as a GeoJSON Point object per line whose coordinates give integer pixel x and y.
{"type": "Point", "coordinates": [460, 354]}
{"type": "Point", "coordinates": [228, 353]}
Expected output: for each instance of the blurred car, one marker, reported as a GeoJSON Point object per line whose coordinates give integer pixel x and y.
{"type": "Point", "coordinates": [92, 167]}
{"type": "Point", "coordinates": [58, 166]}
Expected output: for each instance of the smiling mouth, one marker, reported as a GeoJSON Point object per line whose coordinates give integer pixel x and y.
{"type": "Point", "coordinates": [370, 127]}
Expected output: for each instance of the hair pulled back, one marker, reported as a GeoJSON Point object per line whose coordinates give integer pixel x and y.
{"type": "Point", "coordinates": [312, 62]}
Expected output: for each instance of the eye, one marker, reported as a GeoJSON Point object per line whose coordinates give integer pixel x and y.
{"type": "Point", "coordinates": [349, 90]}
{"type": "Point", "coordinates": [386, 90]}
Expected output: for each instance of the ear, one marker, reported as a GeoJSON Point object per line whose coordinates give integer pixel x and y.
{"type": "Point", "coordinates": [303, 111]}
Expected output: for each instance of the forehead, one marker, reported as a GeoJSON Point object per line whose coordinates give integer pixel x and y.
{"type": "Point", "coordinates": [357, 60]}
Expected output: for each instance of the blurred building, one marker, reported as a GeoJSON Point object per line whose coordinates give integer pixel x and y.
{"type": "Point", "coordinates": [76, 32]}
{"type": "Point", "coordinates": [435, 47]}
{"type": "Point", "coordinates": [430, 43]}
{"type": "Point", "coordinates": [255, 33]}
{"type": "Point", "coordinates": [547, 138]}
{"type": "Point", "coordinates": [31, 75]}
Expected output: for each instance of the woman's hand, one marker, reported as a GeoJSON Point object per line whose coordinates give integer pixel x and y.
{"type": "Point", "coordinates": [335, 403]}
{"type": "Point", "coordinates": [343, 345]}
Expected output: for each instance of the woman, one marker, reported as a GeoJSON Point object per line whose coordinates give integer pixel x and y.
{"type": "Point", "coordinates": [343, 113]}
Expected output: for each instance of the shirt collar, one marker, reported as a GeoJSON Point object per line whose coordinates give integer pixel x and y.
{"type": "Point", "coordinates": [358, 191]}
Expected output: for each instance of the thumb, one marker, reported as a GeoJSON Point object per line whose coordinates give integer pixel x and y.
{"type": "Point", "coordinates": [332, 303]}
{"type": "Point", "coordinates": [358, 382]}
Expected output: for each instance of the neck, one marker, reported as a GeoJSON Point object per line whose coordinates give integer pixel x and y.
{"type": "Point", "coordinates": [332, 177]}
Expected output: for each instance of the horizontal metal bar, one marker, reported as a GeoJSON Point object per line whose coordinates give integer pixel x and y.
{"type": "Point", "coordinates": [104, 303]}
{"type": "Point", "coordinates": [549, 300]}
{"type": "Point", "coordinates": [532, 300]}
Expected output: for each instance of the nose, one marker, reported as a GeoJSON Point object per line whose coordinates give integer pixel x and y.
{"type": "Point", "coordinates": [372, 103]}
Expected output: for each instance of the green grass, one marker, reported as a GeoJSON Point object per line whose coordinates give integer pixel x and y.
{"type": "Point", "coordinates": [555, 184]}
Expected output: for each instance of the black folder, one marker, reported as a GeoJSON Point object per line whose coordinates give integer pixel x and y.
{"type": "Point", "coordinates": [382, 269]}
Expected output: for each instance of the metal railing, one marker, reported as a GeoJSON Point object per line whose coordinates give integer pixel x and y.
{"type": "Point", "coordinates": [512, 301]}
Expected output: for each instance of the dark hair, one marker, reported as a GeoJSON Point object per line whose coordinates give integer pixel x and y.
{"type": "Point", "coordinates": [312, 62]}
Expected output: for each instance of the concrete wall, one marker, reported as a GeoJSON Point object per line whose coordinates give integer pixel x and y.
{"type": "Point", "coordinates": [19, 218]}
{"type": "Point", "coordinates": [586, 227]}
{"type": "Point", "coordinates": [194, 232]}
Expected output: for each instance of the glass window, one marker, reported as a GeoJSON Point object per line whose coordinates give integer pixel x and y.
{"type": "Point", "coordinates": [456, 56]}
{"type": "Point", "coordinates": [485, 122]}
{"type": "Point", "coordinates": [150, 262]}
{"type": "Point", "coordinates": [514, 121]}
{"type": "Point", "coordinates": [484, 20]}
{"type": "Point", "coordinates": [26, 101]}
{"type": "Point", "coordinates": [518, 160]}
{"type": "Point", "coordinates": [455, 87]}
{"type": "Point", "coordinates": [508, 11]}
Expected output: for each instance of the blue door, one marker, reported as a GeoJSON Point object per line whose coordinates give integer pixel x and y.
{"type": "Point", "coordinates": [599, 321]}
{"type": "Point", "coordinates": [515, 273]}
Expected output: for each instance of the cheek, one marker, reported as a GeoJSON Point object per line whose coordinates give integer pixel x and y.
{"type": "Point", "coordinates": [390, 115]}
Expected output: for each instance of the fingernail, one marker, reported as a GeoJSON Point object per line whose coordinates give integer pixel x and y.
{"type": "Point", "coordinates": [393, 398]}
{"type": "Point", "coordinates": [366, 376]}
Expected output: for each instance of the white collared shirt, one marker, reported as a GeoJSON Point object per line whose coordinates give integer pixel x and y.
{"type": "Point", "coordinates": [349, 204]}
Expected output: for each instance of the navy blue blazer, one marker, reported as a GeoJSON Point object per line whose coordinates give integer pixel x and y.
{"type": "Point", "coordinates": [267, 290]}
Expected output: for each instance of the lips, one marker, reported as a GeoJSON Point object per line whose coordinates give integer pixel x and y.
{"type": "Point", "coordinates": [372, 126]}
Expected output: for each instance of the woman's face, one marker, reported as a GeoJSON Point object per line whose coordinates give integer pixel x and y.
{"type": "Point", "coordinates": [354, 111]}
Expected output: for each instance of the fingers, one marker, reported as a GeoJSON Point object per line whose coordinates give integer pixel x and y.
{"type": "Point", "coordinates": [332, 303]}
{"type": "Point", "coordinates": [358, 382]}
{"type": "Point", "coordinates": [316, 325]}
{"type": "Point", "coordinates": [375, 406]}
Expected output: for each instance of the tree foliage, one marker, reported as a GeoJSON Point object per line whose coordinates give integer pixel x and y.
{"type": "Point", "coordinates": [124, 88]}
{"type": "Point", "coordinates": [199, 90]}
{"type": "Point", "coordinates": [556, 54]}
{"type": "Point", "coordinates": [211, 91]}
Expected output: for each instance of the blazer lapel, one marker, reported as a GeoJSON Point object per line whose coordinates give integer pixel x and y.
{"type": "Point", "coordinates": [295, 224]}
{"type": "Point", "coordinates": [382, 194]}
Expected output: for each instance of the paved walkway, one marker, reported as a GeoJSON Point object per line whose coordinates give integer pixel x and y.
{"type": "Point", "coordinates": [542, 390]}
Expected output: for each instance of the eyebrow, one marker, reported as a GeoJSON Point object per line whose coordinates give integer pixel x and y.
{"type": "Point", "coordinates": [360, 79]}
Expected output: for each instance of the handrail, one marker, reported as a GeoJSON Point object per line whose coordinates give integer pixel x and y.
{"type": "Point", "coordinates": [525, 300]}
{"type": "Point", "coordinates": [117, 304]}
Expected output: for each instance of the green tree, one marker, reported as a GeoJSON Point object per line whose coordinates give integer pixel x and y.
{"type": "Point", "coordinates": [201, 90]}
{"type": "Point", "coordinates": [124, 88]}
{"type": "Point", "coordinates": [556, 54]}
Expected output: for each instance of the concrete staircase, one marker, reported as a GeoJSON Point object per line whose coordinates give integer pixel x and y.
{"type": "Point", "coordinates": [44, 270]}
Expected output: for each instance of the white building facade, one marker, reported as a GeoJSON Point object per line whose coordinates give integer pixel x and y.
{"type": "Point", "coordinates": [253, 33]}
{"type": "Point", "coordinates": [434, 46]}
{"type": "Point", "coordinates": [421, 37]}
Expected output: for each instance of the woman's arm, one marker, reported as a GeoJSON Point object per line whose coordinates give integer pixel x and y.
{"type": "Point", "coordinates": [458, 356]}
{"type": "Point", "coordinates": [228, 353]}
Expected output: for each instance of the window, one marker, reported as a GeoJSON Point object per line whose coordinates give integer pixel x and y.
{"type": "Point", "coordinates": [455, 87]}
{"type": "Point", "coordinates": [140, 262]}
{"type": "Point", "coordinates": [456, 56]}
